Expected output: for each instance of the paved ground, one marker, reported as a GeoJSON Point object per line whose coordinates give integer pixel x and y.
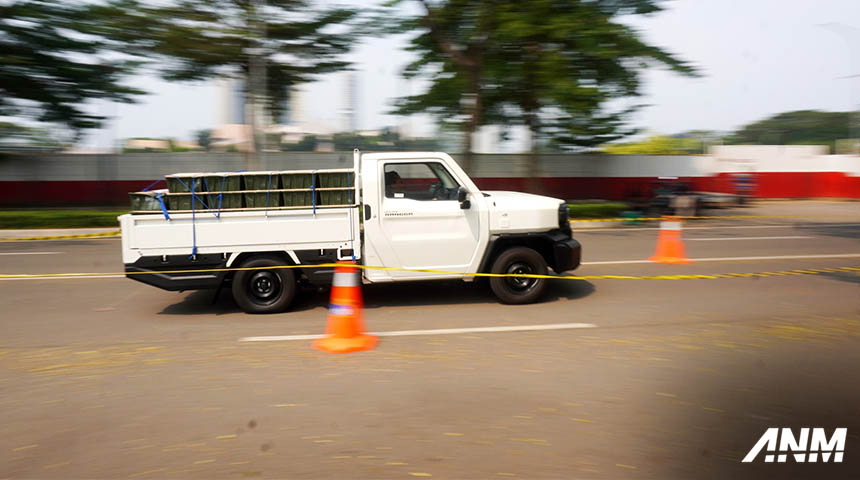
{"type": "Point", "coordinates": [108, 378]}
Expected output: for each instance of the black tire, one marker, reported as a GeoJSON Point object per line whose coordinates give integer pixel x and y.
{"type": "Point", "coordinates": [518, 291]}
{"type": "Point", "coordinates": [264, 291]}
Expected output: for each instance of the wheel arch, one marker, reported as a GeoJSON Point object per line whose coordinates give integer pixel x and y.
{"type": "Point", "coordinates": [541, 243]}
{"type": "Point", "coordinates": [244, 256]}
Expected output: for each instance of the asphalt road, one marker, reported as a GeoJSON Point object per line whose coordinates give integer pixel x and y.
{"type": "Point", "coordinates": [109, 378]}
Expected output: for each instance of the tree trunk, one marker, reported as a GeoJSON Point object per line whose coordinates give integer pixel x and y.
{"type": "Point", "coordinates": [466, 157]}
{"type": "Point", "coordinates": [253, 81]}
{"type": "Point", "coordinates": [533, 181]}
{"type": "Point", "coordinates": [473, 107]}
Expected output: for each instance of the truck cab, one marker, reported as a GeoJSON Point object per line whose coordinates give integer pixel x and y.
{"type": "Point", "coordinates": [416, 213]}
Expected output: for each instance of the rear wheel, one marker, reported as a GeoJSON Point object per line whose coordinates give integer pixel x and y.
{"type": "Point", "coordinates": [519, 290]}
{"type": "Point", "coordinates": [263, 290]}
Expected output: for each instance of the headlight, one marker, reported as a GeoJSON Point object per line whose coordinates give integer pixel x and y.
{"type": "Point", "coordinates": [564, 217]}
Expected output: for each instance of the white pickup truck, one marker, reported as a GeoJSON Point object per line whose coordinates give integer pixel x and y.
{"type": "Point", "coordinates": [406, 210]}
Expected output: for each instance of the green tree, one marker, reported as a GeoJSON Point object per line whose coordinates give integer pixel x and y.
{"type": "Point", "coordinates": [574, 57]}
{"type": "Point", "coordinates": [271, 45]}
{"type": "Point", "coordinates": [388, 140]}
{"type": "Point", "coordinates": [549, 65]}
{"type": "Point", "coordinates": [204, 138]}
{"type": "Point", "coordinates": [657, 145]}
{"type": "Point", "coordinates": [802, 127]}
{"type": "Point", "coordinates": [14, 136]}
{"type": "Point", "coordinates": [706, 138]}
{"type": "Point", "coordinates": [54, 58]}
{"type": "Point", "coordinates": [308, 143]}
{"type": "Point", "coordinates": [452, 42]}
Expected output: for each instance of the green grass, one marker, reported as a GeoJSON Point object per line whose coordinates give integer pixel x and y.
{"type": "Point", "coordinates": [597, 210]}
{"type": "Point", "coordinates": [59, 218]}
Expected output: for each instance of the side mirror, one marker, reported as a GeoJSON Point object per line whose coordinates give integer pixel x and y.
{"type": "Point", "coordinates": [462, 195]}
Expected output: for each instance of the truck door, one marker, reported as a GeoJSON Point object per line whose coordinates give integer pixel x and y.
{"type": "Point", "coordinates": [420, 224]}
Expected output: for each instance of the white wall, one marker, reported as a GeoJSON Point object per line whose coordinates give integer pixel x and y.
{"type": "Point", "coordinates": [36, 167]}
{"type": "Point", "coordinates": [768, 158]}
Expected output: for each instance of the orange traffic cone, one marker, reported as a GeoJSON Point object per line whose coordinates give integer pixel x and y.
{"type": "Point", "coordinates": [345, 317]}
{"type": "Point", "coordinates": [670, 248]}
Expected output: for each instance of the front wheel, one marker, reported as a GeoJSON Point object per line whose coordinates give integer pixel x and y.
{"type": "Point", "coordinates": [261, 290]}
{"type": "Point", "coordinates": [519, 290]}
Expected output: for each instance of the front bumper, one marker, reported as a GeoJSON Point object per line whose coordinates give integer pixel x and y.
{"type": "Point", "coordinates": [568, 255]}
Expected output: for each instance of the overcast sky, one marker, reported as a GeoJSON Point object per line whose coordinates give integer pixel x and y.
{"type": "Point", "coordinates": [758, 58]}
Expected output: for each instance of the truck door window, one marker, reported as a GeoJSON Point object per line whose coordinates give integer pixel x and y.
{"type": "Point", "coordinates": [419, 181]}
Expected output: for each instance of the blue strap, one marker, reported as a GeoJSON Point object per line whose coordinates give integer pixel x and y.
{"type": "Point", "coordinates": [217, 212]}
{"type": "Point", "coordinates": [221, 196]}
{"type": "Point", "coordinates": [183, 183]}
{"type": "Point", "coordinates": [192, 192]}
{"type": "Point", "coordinates": [205, 189]}
{"type": "Point", "coordinates": [193, 224]}
{"type": "Point", "coordinates": [152, 185]}
{"type": "Point", "coordinates": [268, 188]}
{"type": "Point", "coordinates": [351, 230]}
{"type": "Point", "coordinates": [160, 198]}
{"type": "Point", "coordinates": [313, 194]}
{"type": "Point", "coordinates": [201, 198]}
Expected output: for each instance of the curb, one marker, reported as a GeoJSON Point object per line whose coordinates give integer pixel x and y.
{"type": "Point", "coordinates": [56, 234]}
{"type": "Point", "coordinates": [591, 225]}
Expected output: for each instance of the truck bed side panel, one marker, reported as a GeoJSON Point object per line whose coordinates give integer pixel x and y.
{"type": "Point", "coordinates": [257, 231]}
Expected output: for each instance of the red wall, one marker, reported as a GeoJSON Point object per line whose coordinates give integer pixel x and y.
{"type": "Point", "coordinates": [767, 185]}
{"type": "Point", "coordinates": [62, 193]}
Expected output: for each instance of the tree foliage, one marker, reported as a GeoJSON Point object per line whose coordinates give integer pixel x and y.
{"type": "Point", "coordinates": [54, 58]}
{"type": "Point", "coordinates": [188, 40]}
{"type": "Point", "coordinates": [204, 138]}
{"type": "Point", "coordinates": [657, 145]}
{"type": "Point", "coordinates": [18, 137]}
{"type": "Point", "coordinates": [566, 61]}
{"type": "Point", "coordinates": [58, 55]}
{"type": "Point", "coordinates": [693, 142]}
{"type": "Point", "coordinates": [550, 65]}
{"type": "Point", "coordinates": [802, 127]}
{"type": "Point", "coordinates": [386, 141]}
{"type": "Point", "coordinates": [308, 143]}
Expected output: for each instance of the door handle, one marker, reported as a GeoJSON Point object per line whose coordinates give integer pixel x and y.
{"type": "Point", "coordinates": [366, 211]}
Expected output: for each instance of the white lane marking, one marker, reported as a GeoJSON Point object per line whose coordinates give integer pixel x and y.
{"type": "Point", "coordinates": [30, 253]}
{"type": "Point", "coordinates": [63, 278]}
{"type": "Point", "coordinates": [616, 262]}
{"type": "Point", "coordinates": [20, 239]}
{"type": "Point", "coordinates": [441, 331]}
{"type": "Point", "coordinates": [636, 229]}
{"type": "Point", "coordinates": [732, 259]}
{"type": "Point", "coordinates": [718, 239]}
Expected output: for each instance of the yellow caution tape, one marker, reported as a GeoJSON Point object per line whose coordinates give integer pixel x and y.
{"type": "Point", "coordinates": [60, 237]}
{"type": "Point", "coordinates": [808, 271]}
{"type": "Point", "coordinates": [713, 217]}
